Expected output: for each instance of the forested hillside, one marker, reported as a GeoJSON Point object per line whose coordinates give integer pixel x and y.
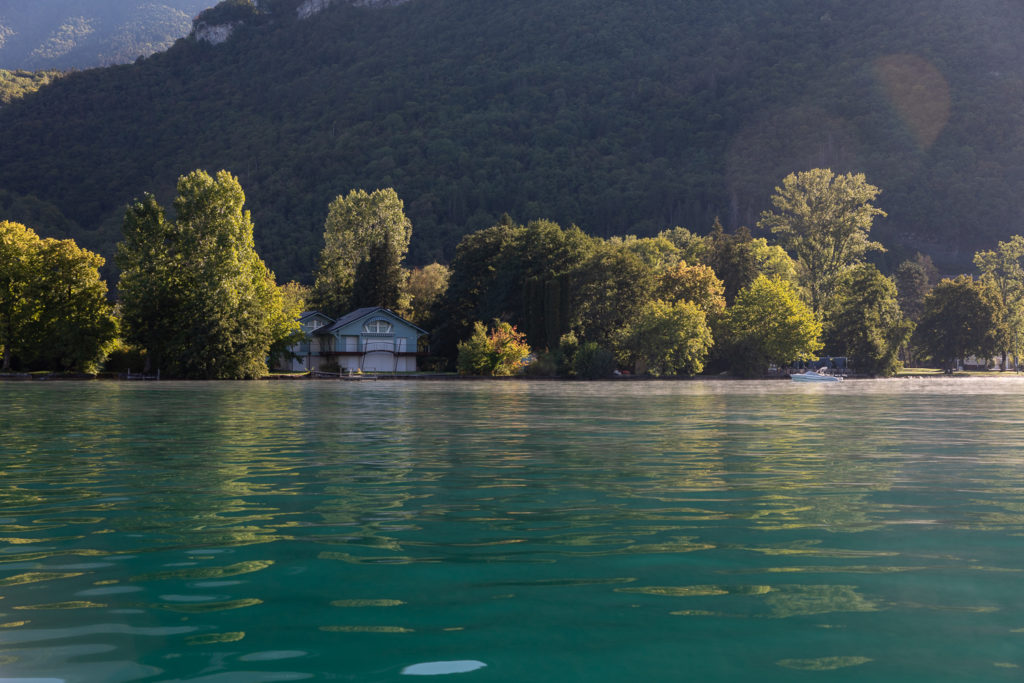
{"type": "Point", "coordinates": [617, 115]}
{"type": "Point", "coordinates": [63, 34]}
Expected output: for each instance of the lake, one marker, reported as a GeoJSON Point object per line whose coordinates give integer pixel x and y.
{"type": "Point", "coordinates": [512, 531]}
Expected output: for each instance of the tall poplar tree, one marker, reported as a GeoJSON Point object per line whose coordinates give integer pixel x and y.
{"type": "Point", "coordinates": [823, 220]}
{"type": "Point", "coordinates": [366, 237]}
{"type": "Point", "coordinates": [194, 292]}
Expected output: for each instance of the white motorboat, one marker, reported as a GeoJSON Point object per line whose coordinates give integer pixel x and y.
{"type": "Point", "coordinates": [812, 376]}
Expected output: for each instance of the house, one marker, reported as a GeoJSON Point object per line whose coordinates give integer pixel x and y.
{"type": "Point", "coordinates": [300, 356]}
{"type": "Point", "coordinates": [371, 339]}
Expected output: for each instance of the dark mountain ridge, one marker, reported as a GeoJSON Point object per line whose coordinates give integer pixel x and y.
{"type": "Point", "coordinates": [619, 116]}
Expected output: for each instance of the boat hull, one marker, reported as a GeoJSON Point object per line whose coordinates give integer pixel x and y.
{"type": "Point", "coordinates": [814, 377]}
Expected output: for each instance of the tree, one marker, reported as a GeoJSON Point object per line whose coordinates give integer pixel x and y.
{"type": "Point", "coordinates": [823, 220]}
{"type": "Point", "coordinates": [730, 257]}
{"type": "Point", "coordinates": [698, 284]}
{"type": "Point", "coordinates": [194, 292]}
{"type": "Point", "coordinates": [771, 260]}
{"type": "Point", "coordinates": [361, 227]}
{"type": "Point", "coordinates": [666, 339]}
{"type": "Point", "coordinates": [294, 296]}
{"type": "Point", "coordinates": [691, 247]}
{"type": "Point", "coordinates": [610, 289]}
{"type": "Point", "coordinates": [768, 323]}
{"type": "Point", "coordinates": [426, 287]}
{"type": "Point", "coordinates": [1003, 271]}
{"type": "Point", "coordinates": [380, 279]}
{"type": "Point", "coordinates": [17, 246]}
{"type": "Point", "coordinates": [54, 312]}
{"type": "Point", "coordinates": [500, 352]}
{"type": "Point", "coordinates": [149, 293]}
{"type": "Point", "coordinates": [520, 274]}
{"type": "Point", "coordinates": [913, 282]}
{"type": "Point", "coordinates": [960, 318]}
{"type": "Point", "coordinates": [75, 324]}
{"type": "Point", "coordinates": [864, 322]}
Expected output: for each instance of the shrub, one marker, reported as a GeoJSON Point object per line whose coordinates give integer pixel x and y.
{"type": "Point", "coordinates": [500, 352]}
{"type": "Point", "coordinates": [593, 362]}
{"type": "Point", "coordinates": [546, 364]}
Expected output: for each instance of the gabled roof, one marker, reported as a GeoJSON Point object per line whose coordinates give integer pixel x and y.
{"type": "Point", "coordinates": [366, 312]}
{"type": "Point", "coordinates": [310, 314]}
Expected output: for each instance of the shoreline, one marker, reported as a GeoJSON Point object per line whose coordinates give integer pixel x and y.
{"type": "Point", "coordinates": [924, 373]}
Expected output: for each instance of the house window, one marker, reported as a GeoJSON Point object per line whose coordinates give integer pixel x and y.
{"type": "Point", "coordinates": [317, 324]}
{"type": "Point", "coordinates": [377, 327]}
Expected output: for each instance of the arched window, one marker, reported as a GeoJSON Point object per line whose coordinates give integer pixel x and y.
{"type": "Point", "coordinates": [377, 327]}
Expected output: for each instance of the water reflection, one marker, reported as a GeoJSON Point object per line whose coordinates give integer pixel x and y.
{"type": "Point", "coordinates": [205, 529]}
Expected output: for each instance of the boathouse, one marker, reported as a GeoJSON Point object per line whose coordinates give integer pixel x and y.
{"type": "Point", "coordinates": [371, 339]}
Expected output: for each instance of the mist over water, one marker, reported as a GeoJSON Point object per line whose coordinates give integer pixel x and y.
{"type": "Point", "coordinates": [542, 531]}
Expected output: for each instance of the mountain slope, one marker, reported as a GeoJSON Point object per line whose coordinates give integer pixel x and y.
{"type": "Point", "coordinates": [63, 34]}
{"type": "Point", "coordinates": [621, 116]}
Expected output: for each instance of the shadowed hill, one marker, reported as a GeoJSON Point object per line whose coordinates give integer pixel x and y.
{"type": "Point", "coordinates": [620, 116]}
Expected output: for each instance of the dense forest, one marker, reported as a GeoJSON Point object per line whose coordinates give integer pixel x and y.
{"type": "Point", "coordinates": [620, 116]}
{"type": "Point", "coordinates": [64, 34]}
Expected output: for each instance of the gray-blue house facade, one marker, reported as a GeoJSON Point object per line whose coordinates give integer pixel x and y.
{"type": "Point", "coordinates": [371, 339]}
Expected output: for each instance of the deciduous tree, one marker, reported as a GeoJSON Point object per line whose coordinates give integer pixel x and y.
{"type": "Point", "coordinates": [195, 293]}
{"type": "Point", "coordinates": [54, 312]}
{"type": "Point", "coordinates": [426, 287]}
{"type": "Point", "coordinates": [823, 220]}
{"type": "Point", "coordinates": [17, 247]}
{"type": "Point", "coordinates": [361, 227]}
{"type": "Point", "coordinates": [864, 322]}
{"type": "Point", "coordinates": [666, 338]}
{"type": "Point", "coordinates": [768, 323]}
{"type": "Point", "coordinates": [1003, 271]}
{"type": "Point", "coordinates": [960, 319]}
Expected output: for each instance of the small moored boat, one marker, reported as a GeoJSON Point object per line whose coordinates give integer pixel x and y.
{"type": "Point", "coordinates": [812, 376]}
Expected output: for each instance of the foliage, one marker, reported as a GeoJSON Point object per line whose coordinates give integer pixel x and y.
{"type": "Point", "coordinates": [610, 289]}
{"type": "Point", "coordinates": [54, 312]}
{"type": "Point", "coordinates": [623, 118]}
{"type": "Point", "coordinates": [864, 322]}
{"type": "Point", "coordinates": [1002, 271]}
{"type": "Point", "coordinates": [522, 274]}
{"type": "Point", "coordinates": [960, 318]}
{"type": "Point", "coordinates": [294, 296]}
{"type": "Point", "coordinates": [769, 323]}
{"type": "Point", "coordinates": [691, 247]}
{"type": "Point", "coordinates": [731, 259]}
{"type": "Point", "coordinates": [17, 84]}
{"type": "Point", "coordinates": [666, 339]}
{"type": "Point", "coordinates": [914, 279]}
{"type": "Point", "coordinates": [427, 285]}
{"type": "Point", "coordinates": [823, 219]}
{"type": "Point", "coordinates": [17, 247]}
{"type": "Point", "coordinates": [227, 11]}
{"type": "Point", "coordinates": [698, 284]}
{"type": "Point", "coordinates": [592, 361]}
{"type": "Point", "coordinates": [366, 237]}
{"type": "Point", "coordinates": [545, 364]}
{"type": "Point", "coordinates": [500, 352]}
{"type": "Point", "coordinates": [194, 293]}
{"type": "Point", "coordinates": [380, 279]}
{"type": "Point", "coordinates": [771, 260]}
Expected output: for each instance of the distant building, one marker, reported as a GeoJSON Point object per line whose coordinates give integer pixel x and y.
{"type": "Point", "coordinates": [371, 339]}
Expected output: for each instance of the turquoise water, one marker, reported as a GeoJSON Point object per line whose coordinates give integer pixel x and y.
{"type": "Point", "coordinates": [654, 531]}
